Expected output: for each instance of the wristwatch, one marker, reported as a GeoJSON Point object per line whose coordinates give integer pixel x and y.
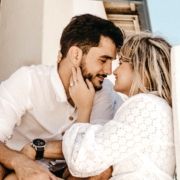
{"type": "Point", "coordinates": [39, 146]}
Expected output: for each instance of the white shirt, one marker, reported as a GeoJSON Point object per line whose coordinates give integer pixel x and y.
{"type": "Point", "coordinates": [33, 104]}
{"type": "Point", "coordinates": [138, 142]}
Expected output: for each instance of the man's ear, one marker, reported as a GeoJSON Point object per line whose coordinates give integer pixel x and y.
{"type": "Point", "coordinates": [75, 54]}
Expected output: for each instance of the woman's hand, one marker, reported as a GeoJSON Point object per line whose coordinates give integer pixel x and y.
{"type": "Point", "coordinates": [82, 94]}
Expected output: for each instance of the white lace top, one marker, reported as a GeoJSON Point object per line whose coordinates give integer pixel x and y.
{"type": "Point", "coordinates": [138, 142]}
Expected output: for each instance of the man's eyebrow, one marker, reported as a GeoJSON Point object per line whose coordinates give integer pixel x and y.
{"type": "Point", "coordinates": [107, 57]}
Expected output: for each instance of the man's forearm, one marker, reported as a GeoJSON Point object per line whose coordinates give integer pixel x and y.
{"type": "Point", "coordinates": [54, 150]}
{"type": "Point", "coordinates": [9, 157]}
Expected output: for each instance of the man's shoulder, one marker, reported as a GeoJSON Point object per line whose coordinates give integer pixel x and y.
{"type": "Point", "coordinates": [37, 68]}
{"type": "Point", "coordinates": [26, 73]}
{"type": "Point", "coordinates": [107, 82]}
{"type": "Point", "coordinates": [33, 70]}
{"type": "Point", "coordinates": [107, 85]}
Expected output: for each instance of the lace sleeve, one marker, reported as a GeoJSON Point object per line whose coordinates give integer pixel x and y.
{"type": "Point", "coordinates": [91, 149]}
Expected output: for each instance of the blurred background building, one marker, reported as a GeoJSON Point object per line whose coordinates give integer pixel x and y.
{"type": "Point", "coordinates": [161, 17]}
{"type": "Point", "coordinates": [131, 17]}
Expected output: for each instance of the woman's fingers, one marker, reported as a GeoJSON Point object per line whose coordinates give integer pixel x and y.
{"type": "Point", "coordinates": [52, 177]}
{"type": "Point", "coordinates": [74, 75]}
{"type": "Point", "coordinates": [71, 84]}
{"type": "Point", "coordinates": [79, 75]}
{"type": "Point", "coordinates": [90, 85]}
{"type": "Point", "coordinates": [66, 173]}
{"type": "Point", "coordinates": [77, 82]}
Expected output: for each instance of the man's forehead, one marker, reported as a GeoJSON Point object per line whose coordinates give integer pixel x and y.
{"type": "Point", "coordinates": [107, 57]}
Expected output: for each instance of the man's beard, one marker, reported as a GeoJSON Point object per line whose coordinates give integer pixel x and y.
{"type": "Point", "coordinates": [89, 76]}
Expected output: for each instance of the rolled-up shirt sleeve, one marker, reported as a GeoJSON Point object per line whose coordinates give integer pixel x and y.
{"type": "Point", "coordinates": [14, 101]}
{"type": "Point", "coordinates": [91, 149]}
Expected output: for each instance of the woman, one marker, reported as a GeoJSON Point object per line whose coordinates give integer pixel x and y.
{"type": "Point", "coordinates": [138, 142]}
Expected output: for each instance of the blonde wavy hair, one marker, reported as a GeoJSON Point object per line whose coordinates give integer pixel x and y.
{"type": "Point", "coordinates": [150, 60]}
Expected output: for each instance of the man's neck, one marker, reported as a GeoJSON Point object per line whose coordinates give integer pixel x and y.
{"type": "Point", "coordinates": [64, 72]}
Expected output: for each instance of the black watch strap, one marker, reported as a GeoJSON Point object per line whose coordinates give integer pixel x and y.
{"type": "Point", "coordinates": [39, 153]}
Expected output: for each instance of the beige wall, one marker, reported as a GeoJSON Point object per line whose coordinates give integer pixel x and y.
{"type": "Point", "coordinates": [20, 34]}
{"type": "Point", "coordinates": [30, 30]}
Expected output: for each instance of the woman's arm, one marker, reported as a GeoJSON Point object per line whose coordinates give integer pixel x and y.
{"type": "Point", "coordinates": [91, 149]}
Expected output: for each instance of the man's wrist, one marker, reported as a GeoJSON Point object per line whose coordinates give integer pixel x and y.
{"type": "Point", "coordinates": [53, 150]}
{"type": "Point", "coordinates": [29, 151]}
{"type": "Point", "coordinates": [39, 145]}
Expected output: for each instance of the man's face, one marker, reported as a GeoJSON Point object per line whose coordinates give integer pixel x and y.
{"type": "Point", "coordinates": [97, 64]}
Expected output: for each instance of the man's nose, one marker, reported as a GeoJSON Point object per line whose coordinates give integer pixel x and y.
{"type": "Point", "coordinates": [107, 69]}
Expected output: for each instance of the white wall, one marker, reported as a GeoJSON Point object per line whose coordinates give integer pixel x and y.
{"type": "Point", "coordinates": [175, 56]}
{"type": "Point", "coordinates": [30, 30]}
{"type": "Point", "coordinates": [57, 14]}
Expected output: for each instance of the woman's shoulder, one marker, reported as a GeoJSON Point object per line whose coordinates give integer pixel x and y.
{"type": "Point", "coordinates": [148, 97]}
{"type": "Point", "coordinates": [143, 100]}
{"type": "Point", "coordinates": [153, 98]}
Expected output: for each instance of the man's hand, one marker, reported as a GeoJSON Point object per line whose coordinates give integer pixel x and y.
{"type": "Point", "coordinates": [24, 167]}
{"type": "Point", "coordinates": [103, 176]}
{"type": "Point", "coordinates": [30, 170]}
{"type": "Point", "coordinates": [3, 172]}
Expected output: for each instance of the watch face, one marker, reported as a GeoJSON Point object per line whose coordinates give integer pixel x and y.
{"type": "Point", "coordinates": [39, 142]}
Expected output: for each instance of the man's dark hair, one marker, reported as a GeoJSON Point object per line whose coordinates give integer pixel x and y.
{"type": "Point", "coordinates": [85, 31]}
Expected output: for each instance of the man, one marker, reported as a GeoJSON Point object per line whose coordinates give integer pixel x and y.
{"type": "Point", "coordinates": [35, 101]}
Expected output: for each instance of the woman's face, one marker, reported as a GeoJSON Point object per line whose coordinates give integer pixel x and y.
{"type": "Point", "coordinates": [124, 77]}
